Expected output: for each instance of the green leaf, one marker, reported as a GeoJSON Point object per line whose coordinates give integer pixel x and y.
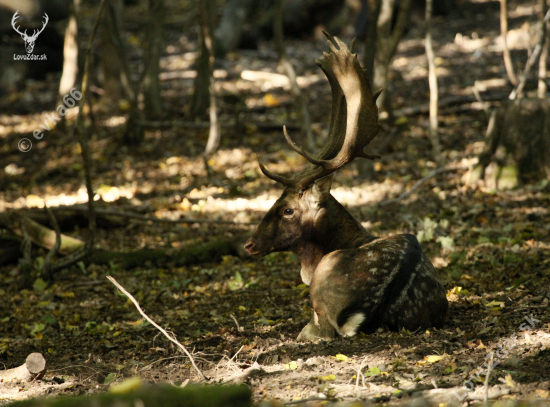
{"type": "Point", "coordinates": [238, 277]}
{"type": "Point", "coordinates": [373, 371]}
{"type": "Point", "coordinates": [39, 284]}
{"type": "Point", "coordinates": [291, 366]}
{"type": "Point", "coordinates": [110, 377]}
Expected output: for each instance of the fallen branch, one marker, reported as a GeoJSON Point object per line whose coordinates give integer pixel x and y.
{"type": "Point", "coordinates": [38, 216]}
{"type": "Point", "coordinates": [170, 337]}
{"type": "Point", "coordinates": [450, 100]}
{"type": "Point", "coordinates": [168, 124]}
{"type": "Point", "coordinates": [420, 182]}
{"type": "Point", "coordinates": [38, 234]}
{"type": "Point", "coordinates": [33, 369]}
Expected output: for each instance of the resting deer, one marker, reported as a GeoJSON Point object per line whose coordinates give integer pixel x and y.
{"type": "Point", "coordinates": [358, 282]}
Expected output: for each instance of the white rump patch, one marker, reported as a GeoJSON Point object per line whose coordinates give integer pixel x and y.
{"type": "Point", "coordinates": [352, 324]}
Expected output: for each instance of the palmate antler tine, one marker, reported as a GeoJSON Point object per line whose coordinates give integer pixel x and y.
{"type": "Point", "coordinates": [300, 151]}
{"type": "Point", "coordinates": [361, 110]}
{"type": "Point", "coordinates": [273, 176]}
{"type": "Point", "coordinates": [354, 121]}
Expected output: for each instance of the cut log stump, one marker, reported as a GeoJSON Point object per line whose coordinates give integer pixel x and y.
{"type": "Point", "coordinates": [33, 369]}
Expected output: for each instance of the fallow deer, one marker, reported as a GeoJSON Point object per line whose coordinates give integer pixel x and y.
{"type": "Point", "coordinates": [358, 283]}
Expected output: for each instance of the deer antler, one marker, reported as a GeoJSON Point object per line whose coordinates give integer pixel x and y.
{"type": "Point", "coordinates": [37, 33]}
{"type": "Point", "coordinates": [13, 20]}
{"type": "Point", "coordinates": [354, 121]}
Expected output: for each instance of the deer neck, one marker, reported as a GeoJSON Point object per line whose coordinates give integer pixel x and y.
{"type": "Point", "coordinates": [333, 229]}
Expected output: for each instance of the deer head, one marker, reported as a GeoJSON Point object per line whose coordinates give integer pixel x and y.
{"type": "Point", "coordinates": [29, 40]}
{"type": "Point", "coordinates": [306, 210]}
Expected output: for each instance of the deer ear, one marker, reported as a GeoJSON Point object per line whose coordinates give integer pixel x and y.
{"type": "Point", "coordinates": [320, 191]}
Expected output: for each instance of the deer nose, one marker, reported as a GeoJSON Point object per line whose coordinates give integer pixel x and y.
{"type": "Point", "coordinates": [249, 246]}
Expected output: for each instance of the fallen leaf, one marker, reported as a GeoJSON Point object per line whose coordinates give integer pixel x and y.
{"type": "Point", "coordinates": [433, 358]}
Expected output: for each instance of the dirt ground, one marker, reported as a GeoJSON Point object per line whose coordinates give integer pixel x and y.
{"type": "Point", "coordinates": [239, 317]}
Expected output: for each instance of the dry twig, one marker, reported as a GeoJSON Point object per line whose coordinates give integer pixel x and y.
{"type": "Point", "coordinates": [170, 338]}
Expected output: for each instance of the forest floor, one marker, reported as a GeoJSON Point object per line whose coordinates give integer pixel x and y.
{"type": "Point", "coordinates": [240, 316]}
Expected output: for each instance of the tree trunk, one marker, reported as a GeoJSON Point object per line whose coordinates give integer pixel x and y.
{"type": "Point", "coordinates": [505, 51]}
{"type": "Point", "coordinates": [387, 40]}
{"type": "Point", "coordinates": [370, 41]}
{"type": "Point", "coordinates": [541, 91]}
{"type": "Point", "coordinates": [303, 113]}
{"type": "Point", "coordinates": [153, 52]}
{"type": "Point", "coordinates": [432, 78]}
{"type": "Point", "coordinates": [70, 53]}
{"type": "Point", "coordinates": [205, 63]}
{"type": "Point", "coordinates": [229, 32]}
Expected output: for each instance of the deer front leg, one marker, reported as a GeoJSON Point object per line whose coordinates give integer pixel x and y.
{"type": "Point", "coordinates": [318, 328]}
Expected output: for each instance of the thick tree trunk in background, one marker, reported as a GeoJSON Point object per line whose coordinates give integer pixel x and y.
{"type": "Point", "coordinates": [541, 91]}
{"type": "Point", "coordinates": [380, 47]}
{"type": "Point", "coordinates": [110, 64]}
{"type": "Point", "coordinates": [70, 56]}
{"type": "Point", "coordinates": [505, 51]}
{"type": "Point", "coordinates": [432, 78]}
{"type": "Point", "coordinates": [204, 64]}
{"type": "Point", "coordinates": [228, 34]}
{"type": "Point", "coordinates": [303, 113]}
{"type": "Point", "coordinates": [207, 16]}
{"type": "Point", "coordinates": [116, 72]}
{"type": "Point", "coordinates": [387, 40]}
{"type": "Point", "coordinates": [153, 52]}
{"type": "Point", "coordinates": [370, 40]}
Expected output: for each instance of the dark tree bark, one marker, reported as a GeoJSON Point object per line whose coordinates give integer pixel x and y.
{"type": "Point", "coordinates": [229, 32]}
{"type": "Point", "coordinates": [541, 91]}
{"type": "Point", "coordinates": [204, 64]}
{"type": "Point", "coordinates": [370, 40]}
{"type": "Point", "coordinates": [434, 94]}
{"type": "Point", "coordinates": [115, 71]}
{"type": "Point", "coordinates": [285, 63]}
{"type": "Point", "coordinates": [505, 51]}
{"type": "Point", "coordinates": [153, 52]}
{"type": "Point", "coordinates": [387, 39]}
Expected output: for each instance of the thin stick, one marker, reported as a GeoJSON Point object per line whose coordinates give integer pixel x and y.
{"type": "Point", "coordinates": [421, 181]}
{"type": "Point", "coordinates": [360, 373]}
{"type": "Point", "coordinates": [236, 322]}
{"type": "Point", "coordinates": [81, 133]}
{"type": "Point", "coordinates": [487, 378]}
{"type": "Point", "coordinates": [170, 338]}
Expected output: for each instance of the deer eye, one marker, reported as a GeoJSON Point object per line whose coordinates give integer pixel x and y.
{"type": "Point", "coordinates": [288, 211]}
